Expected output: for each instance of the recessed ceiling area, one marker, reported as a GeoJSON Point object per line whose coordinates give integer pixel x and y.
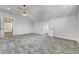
{"type": "Point", "coordinates": [41, 12]}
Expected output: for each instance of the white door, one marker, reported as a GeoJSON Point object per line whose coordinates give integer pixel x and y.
{"type": "Point", "coordinates": [1, 27]}
{"type": "Point", "coordinates": [8, 28]}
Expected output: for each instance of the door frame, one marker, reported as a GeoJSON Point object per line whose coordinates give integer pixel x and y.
{"type": "Point", "coordinates": [12, 25]}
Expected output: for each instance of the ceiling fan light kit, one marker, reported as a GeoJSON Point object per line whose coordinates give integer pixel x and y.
{"type": "Point", "coordinates": [23, 13]}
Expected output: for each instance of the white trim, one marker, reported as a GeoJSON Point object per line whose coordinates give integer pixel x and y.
{"type": "Point", "coordinates": [68, 38]}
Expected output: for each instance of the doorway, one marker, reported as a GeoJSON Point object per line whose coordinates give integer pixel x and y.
{"type": "Point", "coordinates": [8, 27]}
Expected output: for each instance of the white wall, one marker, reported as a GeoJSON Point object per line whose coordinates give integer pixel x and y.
{"type": "Point", "coordinates": [40, 27]}
{"type": "Point", "coordinates": [78, 23]}
{"type": "Point", "coordinates": [20, 25]}
{"type": "Point", "coordinates": [65, 27]}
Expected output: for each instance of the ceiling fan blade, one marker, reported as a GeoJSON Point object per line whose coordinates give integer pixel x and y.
{"type": "Point", "coordinates": [19, 8]}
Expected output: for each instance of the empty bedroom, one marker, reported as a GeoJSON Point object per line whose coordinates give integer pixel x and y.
{"type": "Point", "coordinates": [39, 29]}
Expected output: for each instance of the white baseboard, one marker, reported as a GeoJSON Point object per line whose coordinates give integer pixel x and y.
{"type": "Point", "coordinates": [74, 39]}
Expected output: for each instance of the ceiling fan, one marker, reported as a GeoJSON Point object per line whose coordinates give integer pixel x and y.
{"type": "Point", "coordinates": [23, 11]}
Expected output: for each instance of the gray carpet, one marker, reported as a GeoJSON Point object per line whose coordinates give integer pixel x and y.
{"type": "Point", "coordinates": [37, 44]}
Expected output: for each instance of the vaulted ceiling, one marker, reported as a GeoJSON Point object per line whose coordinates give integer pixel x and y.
{"type": "Point", "coordinates": [42, 12]}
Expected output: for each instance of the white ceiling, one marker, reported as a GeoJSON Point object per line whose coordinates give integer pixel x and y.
{"type": "Point", "coordinates": [42, 12]}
